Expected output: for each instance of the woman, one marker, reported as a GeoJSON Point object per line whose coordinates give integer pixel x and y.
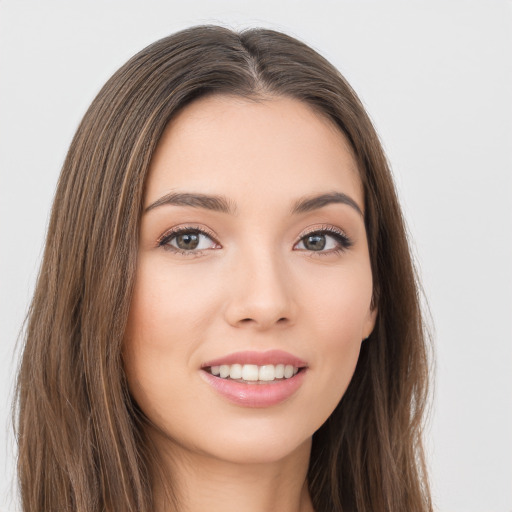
{"type": "Point", "coordinates": [227, 314]}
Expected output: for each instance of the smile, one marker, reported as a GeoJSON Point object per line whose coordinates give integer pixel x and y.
{"type": "Point", "coordinates": [255, 379]}
{"type": "Point", "coordinates": [252, 373]}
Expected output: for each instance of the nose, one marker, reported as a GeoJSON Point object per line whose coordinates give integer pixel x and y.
{"type": "Point", "coordinates": [260, 293]}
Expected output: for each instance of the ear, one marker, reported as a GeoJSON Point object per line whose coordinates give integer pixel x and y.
{"type": "Point", "coordinates": [369, 322]}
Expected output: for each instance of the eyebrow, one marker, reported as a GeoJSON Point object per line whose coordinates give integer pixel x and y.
{"type": "Point", "coordinates": [310, 203]}
{"type": "Point", "coordinates": [223, 205]}
{"type": "Point", "coordinates": [207, 202]}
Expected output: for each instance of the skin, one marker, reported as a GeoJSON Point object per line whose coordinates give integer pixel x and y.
{"type": "Point", "coordinates": [254, 285]}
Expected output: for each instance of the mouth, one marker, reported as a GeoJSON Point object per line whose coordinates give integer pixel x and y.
{"type": "Point", "coordinates": [254, 374]}
{"type": "Point", "coordinates": [256, 379]}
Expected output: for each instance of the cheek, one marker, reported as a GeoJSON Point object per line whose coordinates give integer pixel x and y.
{"type": "Point", "coordinates": [339, 316]}
{"type": "Point", "coordinates": [164, 327]}
{"type": "Point", "coordinates": [167, 307]}
{"type": "Point", "coordinates": [170, 313]}
{"type": "Point", "coordinates": [340, 306]}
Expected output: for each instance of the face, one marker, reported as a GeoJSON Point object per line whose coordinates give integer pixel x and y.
{"type": "Point", "coordinates": [253, 285]}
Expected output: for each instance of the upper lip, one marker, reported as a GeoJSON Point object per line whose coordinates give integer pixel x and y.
{"type": "Point", "coordinates": [258, 358]}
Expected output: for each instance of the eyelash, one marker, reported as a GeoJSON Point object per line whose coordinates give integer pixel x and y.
{"type": "Point", "coordinates": [164, 240]}
{"type": "Point", "coordinates": [342, 240]}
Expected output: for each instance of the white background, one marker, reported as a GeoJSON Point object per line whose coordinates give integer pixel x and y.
{"type": "Point", "coordinates": [436, 78]}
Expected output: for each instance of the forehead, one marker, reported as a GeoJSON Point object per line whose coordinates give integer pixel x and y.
{"type": "Point", "coordinates": [260, 150]}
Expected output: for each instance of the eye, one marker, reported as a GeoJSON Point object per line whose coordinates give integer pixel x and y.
{"type": "Point", "coordinates": [327, 240]}
{"type": "Point", "coordinates": [187, 240]}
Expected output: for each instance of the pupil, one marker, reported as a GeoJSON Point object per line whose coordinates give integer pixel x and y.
{"type": "Point", "coordinates": [315, 242]}
{"type": "Point", "coordinates": [187, 241]}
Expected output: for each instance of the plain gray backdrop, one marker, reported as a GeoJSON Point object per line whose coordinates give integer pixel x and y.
{"type": "Point", "coordinates": [436, 78]}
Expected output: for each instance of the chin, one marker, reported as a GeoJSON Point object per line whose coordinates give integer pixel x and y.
{"type": "Point", "coordinates": [253, 441]}
{"type": "Point", "coordinates": [261, 450]}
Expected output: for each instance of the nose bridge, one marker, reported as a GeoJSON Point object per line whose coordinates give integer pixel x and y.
{"type": "Point", "coordinates": [261, 294]}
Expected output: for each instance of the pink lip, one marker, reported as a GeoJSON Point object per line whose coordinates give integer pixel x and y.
{"type": "Point", "coordinates": [257, 394]}
{"type": "Point", "coordinates": [259, 358]}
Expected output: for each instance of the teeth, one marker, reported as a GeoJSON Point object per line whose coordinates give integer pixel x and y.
{"type": "Point", "coordinates": [267, 372]}
{"type": "Point", "coordinates": [250, 372]}
{"type": "Point", "coordinates": [236, 371]}
{"type": "Point", "coordinates": [254, 373]}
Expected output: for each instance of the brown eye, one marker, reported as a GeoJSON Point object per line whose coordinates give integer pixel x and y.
{"type": "Point", "coordinates": [324, 241]}
{"type": "Point", "coordinates": [188, 240]}
{"type": "Point", "coordinates": [314, 242]}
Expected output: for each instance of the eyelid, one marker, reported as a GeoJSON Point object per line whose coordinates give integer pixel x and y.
{"type": "Point", "coordinates": [323, 228]}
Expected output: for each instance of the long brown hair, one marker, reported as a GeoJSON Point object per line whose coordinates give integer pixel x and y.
{"type": "Point", "coordinates": [82, 442]}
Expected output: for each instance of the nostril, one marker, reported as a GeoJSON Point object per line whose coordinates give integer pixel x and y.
{"type": "Point", "coordinates": [246, 321]}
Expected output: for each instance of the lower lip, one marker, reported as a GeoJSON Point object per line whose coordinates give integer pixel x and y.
{"type": "Point", "coordinates": [255, 395]}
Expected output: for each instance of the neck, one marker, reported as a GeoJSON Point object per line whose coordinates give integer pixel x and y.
{"type": "Point", "coordinates": [200, 482]}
